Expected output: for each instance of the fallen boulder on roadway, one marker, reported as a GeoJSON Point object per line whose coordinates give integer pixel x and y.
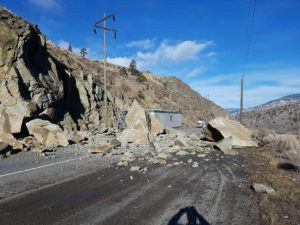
{"type": "Point", "coordinates": [220, 128]}
{"type": "Point", "coordinates": [137, 130]}
{"type": "Point", "coordinates": [47, 133]}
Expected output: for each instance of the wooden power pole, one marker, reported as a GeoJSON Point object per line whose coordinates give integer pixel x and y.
{"type": "Point", "coordinates": [104, 28]}
{"type": "Point", "coordinates": [241, 105]}
{"type": "Point", "coordinates": [298, 125]}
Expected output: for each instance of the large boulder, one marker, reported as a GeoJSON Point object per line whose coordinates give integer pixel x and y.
{"type": "Point", "coordinates": [225, 146]}
{"type": "Point", "coordinates": [7, 125]}
{"type": "Point", "coordinates": [15, 115]}
{"type": "Point", "coordinates": [220, 128]}
{"type": "Point", "coordinates": [136, 117]}
{"type": "Point", "coordinates": [11, 141]}
{"type": "Point", "coordinates": [137, 130]}
{"type": "Point", "coordinates": [46, 133]}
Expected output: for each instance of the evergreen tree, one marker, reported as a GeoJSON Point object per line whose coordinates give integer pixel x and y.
{"type": "Point", "coordinates": [70, 49]}
{"type": "Point", "coordinates": [83, 52]}
{"type": "Point", "coordinates": [132, 67]}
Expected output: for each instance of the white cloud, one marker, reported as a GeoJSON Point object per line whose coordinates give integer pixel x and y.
{"type": "Point", "coordinates": [46, 4]}
{"type": "Point", "coordinates": [186, 50]}
{"type": "Point", "coordinates": [145, 44]}
{"type": "Point", "coordinates": [196, 71]}
{"type": "Point", "coordinates": [165, 54]}
{"type": "Point", "coordinates": [181, 52]}
{"type": "Point", "coordinates": [260, 86]}
{"type": "Point", "coordinates": [65, 45]}
{"type": "Point", "coordinates": [121, 61]}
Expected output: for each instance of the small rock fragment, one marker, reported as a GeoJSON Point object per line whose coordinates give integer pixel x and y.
{"type": "Point", "coordinates": [122, 163]}
{"type": "Point", "coordinates": [135, 168]}
{"type": "Point", "coordinates": [163, 155]}
{"type": "Point", "coordinates": [181, 153]}
{"type": "Point", "coordinates": [100, 149]}
{"type": "Point", "coordinates": [162, 161]}
{"type": "Point", "coordinates": [195, 165]}
{"type": "Point", "coordinates": [262, 188]}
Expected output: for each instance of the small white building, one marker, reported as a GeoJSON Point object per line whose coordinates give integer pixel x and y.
{"type": "Point", "coordinates": [169, 119]}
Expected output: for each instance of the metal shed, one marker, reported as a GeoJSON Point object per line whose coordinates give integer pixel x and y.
{"type": "Point", "coordinates": [169, 119]}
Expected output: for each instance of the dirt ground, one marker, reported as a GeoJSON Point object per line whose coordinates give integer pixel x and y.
{"type": "Point", "coordinates": [283, 207]}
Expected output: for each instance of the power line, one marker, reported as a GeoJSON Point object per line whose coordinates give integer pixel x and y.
{"type": "Point", "coordinates": [242, 100]}
{"type": "Point", "coordinates": [249, 32]}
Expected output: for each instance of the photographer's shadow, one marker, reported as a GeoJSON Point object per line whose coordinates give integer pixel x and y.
{"type": "Point", "coordinates": [193, 217]}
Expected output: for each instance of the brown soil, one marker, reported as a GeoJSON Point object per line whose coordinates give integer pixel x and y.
{"type": "Point", "coordinates": [283, 207]}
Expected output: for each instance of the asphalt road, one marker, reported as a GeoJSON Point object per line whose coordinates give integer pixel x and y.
{"type": "Point", "coordinates": [217, 192]}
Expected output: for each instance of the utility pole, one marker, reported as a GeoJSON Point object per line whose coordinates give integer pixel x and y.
{"type": "Point", "coordinates": [104, 28]}
{"type": "Point", "coordinates": [242, 93]}
{"type": "Point", "coordinates": [298, 125]}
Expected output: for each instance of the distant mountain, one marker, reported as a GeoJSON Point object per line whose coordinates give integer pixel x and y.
{"type": "Point", "coordinates": [232, 111]}
{"type": "Point", "coordinates": [287, 100]}
{"type": "Point", "coordinates": [279, 114]}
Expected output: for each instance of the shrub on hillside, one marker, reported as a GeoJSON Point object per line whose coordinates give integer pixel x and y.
{"type": "Point", "coordinates": [141, 95]}
{"type": "Point", "coordinates": [123, 71]}
{"type": "Point", "coordinates": [282, 145]}
{"type": "Point", "coordinates": [141, 78]}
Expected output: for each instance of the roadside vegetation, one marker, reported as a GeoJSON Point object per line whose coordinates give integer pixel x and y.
{"type": "Point", "coordinates": [274, 163]}
{"type": "Point", "coordinates": [284, 146]}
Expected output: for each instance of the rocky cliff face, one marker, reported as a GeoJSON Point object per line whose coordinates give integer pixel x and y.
{"type": "Point", "coordinates": [38, 80]}
{"type": "Point", "coordinates": [45, 84]}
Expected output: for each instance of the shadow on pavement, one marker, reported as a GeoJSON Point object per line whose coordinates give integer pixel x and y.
{"type": "Point", "coordinates": [193, 217]}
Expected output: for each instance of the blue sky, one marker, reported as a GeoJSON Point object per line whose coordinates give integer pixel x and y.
{"type": "Point", "coordinates": [200, 41]}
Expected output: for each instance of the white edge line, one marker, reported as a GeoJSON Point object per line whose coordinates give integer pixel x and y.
{"type": "Point", "coordinates": [40, 167]}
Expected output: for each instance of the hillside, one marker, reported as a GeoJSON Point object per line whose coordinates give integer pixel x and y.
{"type": "Point", "coordinates": [279, 114]}
{"type": "Point", "coordinates": [286, 100]}
{"type": "Point", "coordinates": [232, 111]}
{"type": "Point", "coordinates": [42, 80]}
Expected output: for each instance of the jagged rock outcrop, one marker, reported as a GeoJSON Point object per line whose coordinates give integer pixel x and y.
{"type": "Point", "coordinates": [37, 85]}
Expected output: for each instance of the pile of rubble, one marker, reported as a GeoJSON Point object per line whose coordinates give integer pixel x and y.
{"type": "Point", "coordinates": [145, 139]}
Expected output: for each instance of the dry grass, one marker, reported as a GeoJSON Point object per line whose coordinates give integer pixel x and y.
{"type": "Point", "coordinates": [281, 145]}
{"type": "Point", "coordinates": [283, 207]}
